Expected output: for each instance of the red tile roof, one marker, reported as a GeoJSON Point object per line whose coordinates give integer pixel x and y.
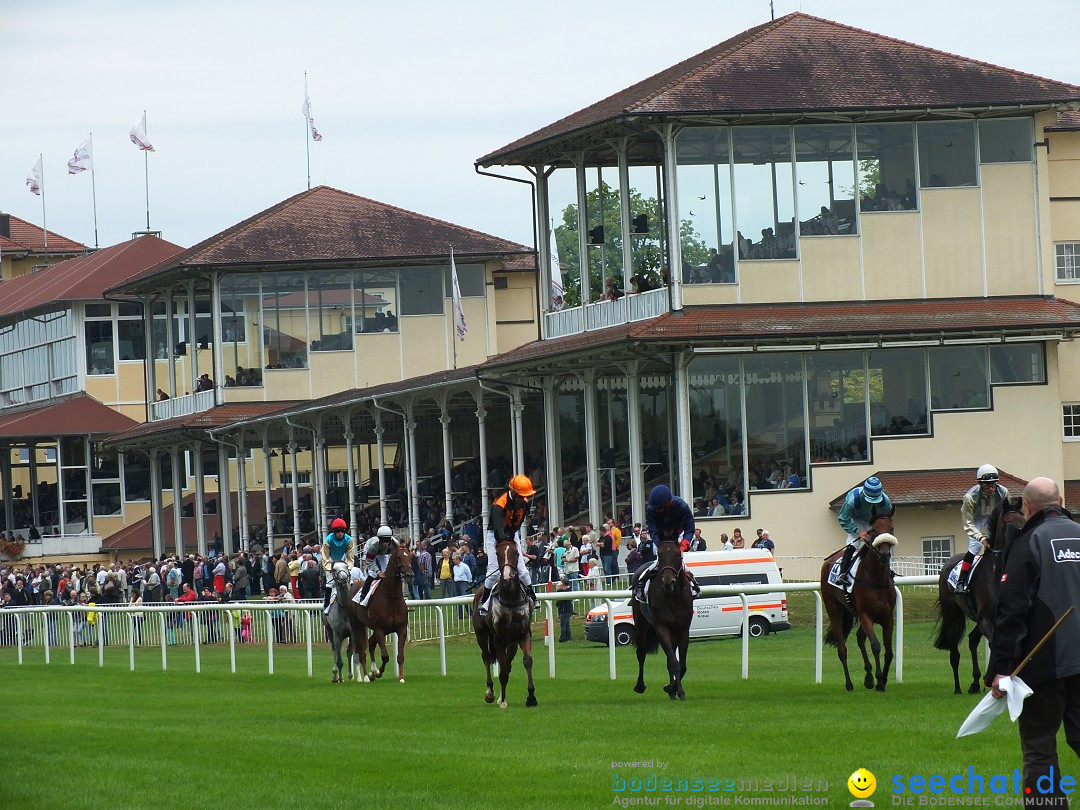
{"type": "Point", "coordinates": [328, 225]}
{"type": "Point", "coordinates": [196, 423]}
{"type": "Point", "coordinates": [82, 415]}
{"type": "Point", "coordinates": [801, 63]}
{"type": "Point", "coordinates": [929, 487]}
{"type": "Point", "coordinates": [1066, 121]}
{"type": "Point", "coordinates": [84, 278]}
{"type": "Point", "coordinates": [28, 237]}
{"type": "Point", "coordinates": [836, 322]}
{"type": "Point", "coordinates": [1072, 494]}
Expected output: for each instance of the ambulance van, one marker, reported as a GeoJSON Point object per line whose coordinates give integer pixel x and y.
{"type": "Point", "coordinates": [714, 615]}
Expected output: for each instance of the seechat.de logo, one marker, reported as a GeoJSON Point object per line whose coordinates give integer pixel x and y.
{"type": "Point", "coordinates": [862, 785]}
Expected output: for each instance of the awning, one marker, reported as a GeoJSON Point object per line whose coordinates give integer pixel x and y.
{"type": "Point", "coordinates": [81, 415]}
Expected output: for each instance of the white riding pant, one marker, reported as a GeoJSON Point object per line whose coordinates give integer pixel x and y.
{"type": "Point", "coordinates": [493, 564]}
{"type": "Point", "coordinates": [975, 547]}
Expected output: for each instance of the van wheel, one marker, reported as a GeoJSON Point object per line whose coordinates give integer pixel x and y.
{"type": "Point", "coordinates": [758, 627]}
{"type": "Point", "coordinates": [624, 635]}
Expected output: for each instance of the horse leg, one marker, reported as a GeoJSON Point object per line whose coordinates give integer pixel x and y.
{"type": "Point", "coordinates": [361, 655]}
{"type": "Point", "coordinates": [680, 647]}
{"type": "Point", "coordinates": [954, 660]}
{"type": "Point", "coordinates": [886, 640]}
{"type": "Point", "coordinates": [527, 660]}
{"type": "Point", "coordinates": [401, 656]}
{"type": "Point", "coordinates": [667, 644]}
{"type": "Point", "coordinates": [335, 645]}
{"type": "Point", "coordinates": [506, 658]}
{"type": "Point", "coordinates": [836, 627]}
{"type": "Point", "coordinates": [976, 671]}
{"type": "Point", "coordinates": [483, 641]}
{"type": "Point", "coordinates": [376, 640]}
{"type": "Point", "coordinates": [861, 636]}
{"type": "Point", "coordinates": [639, 687]}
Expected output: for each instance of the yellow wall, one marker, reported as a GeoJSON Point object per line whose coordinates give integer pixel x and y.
{"type": "Point", "coordinates": [378, 358]}
{"type": "Point", "coordinates": [1008, 193]}
{"type": "Point", "coordinates": [830, 268]}
{"type": "Point", "coordinates": [951, 242]}
{"type": "Point", "coordinates": [699, 294]}
{"type": "Point", "coordinates": [768, 281]}
{"type": "Point", "coordinates": [331, 372]}
{"type": "Point", "coordinates": [892, 260]}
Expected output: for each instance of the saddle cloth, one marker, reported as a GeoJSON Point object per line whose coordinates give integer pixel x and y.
{"type": "Point", "coordinates": [954, 572]}
{"type": "Point", "coordinates": [834, 574]}
{"type": "Point", "coordinates": [358, 597]}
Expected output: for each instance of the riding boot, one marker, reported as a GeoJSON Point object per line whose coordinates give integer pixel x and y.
{"type": "Point", "coordinates": [965, 572]}
{"type": "Point", "coordinates": [842, 577]}
{"type": "Point", "coordinates": [530, 594]}
{"type": "Point", "coordinates": [695, 589]}
{"type": "Point", "coordinates": [327, 595]}
{"type": "Point", "coordinates": [485, 602]}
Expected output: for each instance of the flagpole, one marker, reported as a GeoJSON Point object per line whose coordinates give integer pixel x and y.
{"type": "Point", "coordinates": [307, 145]}
{"type": "Point", "coordinates": [44, 226]}
{"type": "Point", "coordinates": [146, 174]}
{"type": "Point", "coordinates": [454, 304]}
{"type": "Point", "coordinates": [93, 191]}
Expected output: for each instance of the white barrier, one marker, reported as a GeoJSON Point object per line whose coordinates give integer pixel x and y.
{"type": "Point", "coordinates": [175, 625]}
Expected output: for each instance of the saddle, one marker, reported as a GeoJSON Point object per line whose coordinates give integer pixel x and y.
{"type": "Point", "coordinates": [954, 572]}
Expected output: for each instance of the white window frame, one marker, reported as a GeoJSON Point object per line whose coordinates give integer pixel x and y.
{"type": "Point", "coordinates": [1070, 421]}
{"type": "Point", "coordinates": [1067, 262]}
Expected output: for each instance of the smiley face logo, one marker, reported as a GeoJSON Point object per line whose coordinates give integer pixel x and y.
{"type": "Point", "coordinates": [862, 784]}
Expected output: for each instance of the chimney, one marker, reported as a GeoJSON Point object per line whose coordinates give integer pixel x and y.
{"type": "Point", "coordinates": [5, 225]}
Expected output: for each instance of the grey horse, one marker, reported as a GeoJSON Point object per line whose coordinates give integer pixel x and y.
{"type": "Point", "coordinates": [336, 617]}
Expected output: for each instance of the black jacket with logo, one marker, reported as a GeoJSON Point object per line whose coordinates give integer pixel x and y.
{"type": "Point", "coordinates": [1040, 581]}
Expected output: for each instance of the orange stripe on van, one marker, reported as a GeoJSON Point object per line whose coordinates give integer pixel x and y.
{"type": "Point", "coordinates": [743, 561]}
{"type": "Point", "coordinates": [754, 606]}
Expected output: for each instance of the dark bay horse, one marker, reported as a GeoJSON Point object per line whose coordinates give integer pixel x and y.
{"type": "Point", "coordinates": [980, 605]}
{"type": "Point", "coordinates": [873, 601]}
{"type": "Point", "coordinates": [507, 626]}
{"type": "Point", "coordinates": [665, 622]}
{"type": "Point", "coordinates": [336, 617]}
{"type": "Point", "coordinates": [385, 613]}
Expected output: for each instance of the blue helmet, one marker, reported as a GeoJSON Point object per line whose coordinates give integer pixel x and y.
{"type": "Point", "coordinates": [660, 497]}
{"type": "Point", "coordinates": [872, 491]}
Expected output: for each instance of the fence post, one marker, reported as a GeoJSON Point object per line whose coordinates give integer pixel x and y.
{"type": "Point", "coordinates": [549, 637]}
{"type": "Point", "coordinates": [164, 655]}
{"type": "Point", "coordinates": [270, 640]}
{"type": "Point", "coordinates": [196, 632]}
{"type": "Point", "coordinates": [307, 631]}
{"type": "Point", "coordinates": [18, 634]}
{"type": "Point", "coordinates": [611, 636]}
{"type": "Point", "coordinates": [71, 627]}
{"type": "Point", "coordinates": [442, 638]}
{"type": "Point", "coordinates": [232, 640]}
{"type": "Point", "coordinates": [131, 639]}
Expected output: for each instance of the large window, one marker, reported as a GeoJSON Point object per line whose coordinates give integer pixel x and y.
{"type": "Point", "coordinates": [130, 332]}
{"type": "Point", "coordinates": [241, 318]}
{"type": "Point", "coordinates": [38, 358]}
{"type": "Point", "coordinates": [422, 291]}
{"type": "Point", "coordinates": [886, 167]}
{"type": "Point", "coordinates": [1005, 140]}
{"type": "Point", "coordinates": [825, 167]}
{"type": "Point", "coordinates": [330, 307]}
{"type": "Point", "coordinates": [947, 154]}
{"type": "Point", "coordinates": [375, 301]}
{"type": "Point", "coordinates": [1071, 417]}
{"type": "Point", "coordinates": [897, 387]}
{"type": "Point", "coordinates": [604, 231]}
{"type": "Point", "coordinates": [836, 389]}
{"type": "Point", "coordinates": [764, 195]}
{"type": "Point", "coordinates": [958, 378]}
{"type": "Point", "coordinates": [100, 355]}
{"type": "Point", "coordinates": [1067, 261]}
{"type": "Point", "coordinates": [105, 480]}
{"type": "Point", "coordinates": [775, 421]}
{"type": "Point", "coordinates": [1017, 363]}
{"type": "Point", "coordinates": [716, 435]}
{"type": "Point", "coordinates": [136, 477]}
{"type": "Point", "coordinates": [705, 205]}
{"type": "Point", "coordinates": [285, 335]}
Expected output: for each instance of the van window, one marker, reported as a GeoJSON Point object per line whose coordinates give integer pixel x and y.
{"type": "Point", "coordinates": [735, 579]}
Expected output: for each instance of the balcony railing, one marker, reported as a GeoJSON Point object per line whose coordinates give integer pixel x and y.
{"type": "Point", "coordinates": [602, 314]}
{"type": "Point", "coordinates": [57, 545]}
{"type": "Point", "coordinates": [182, 406]}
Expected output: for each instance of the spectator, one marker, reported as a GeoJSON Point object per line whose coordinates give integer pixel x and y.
{"type": "Point", "coordinates": [565, 608]}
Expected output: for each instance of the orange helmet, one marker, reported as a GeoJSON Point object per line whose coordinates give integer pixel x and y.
{"type": "Point", "coordinates": [521, 485]}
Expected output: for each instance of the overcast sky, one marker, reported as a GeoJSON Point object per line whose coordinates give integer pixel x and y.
{"type": "Point", "coordinates": [407, 94]}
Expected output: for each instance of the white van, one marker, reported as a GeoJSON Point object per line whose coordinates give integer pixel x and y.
{"type": "Point", "coordinates": [714, 615]}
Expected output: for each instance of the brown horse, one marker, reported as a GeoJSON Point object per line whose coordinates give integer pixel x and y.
{"type": "Point", "coordinates": [665, 622]}
{"type": "Point", "coordinates": [507, 626]}
{"type": "Point", "coordinates": [385, 613]}
{"type": "Point", "coordinates": [980, 604]}
{"type": "Point", "coordinates": [873, 601]}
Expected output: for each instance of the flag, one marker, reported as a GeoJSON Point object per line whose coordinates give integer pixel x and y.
{"type": "Point", "coordinates": [556, 277]}
{"type": "Point", "coordinates": [33, 180]}
{"type": "Point", "coordinates": [83, 158]}
{"type": "Point", "coordinates": [138, 135]}
{"type": "Point", "coordinates": [306, 110]}
{"type": "Point", "coordinates": [459, 313]}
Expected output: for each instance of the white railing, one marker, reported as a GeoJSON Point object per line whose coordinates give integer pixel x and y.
{"type": "Point", "coordinates": [55, 545]}
{"type": "Point", "coordinates": [602, 314]}
{"type": "Point", "coordinates": [182, 406]}
{"type": "Point", "coordinates": [274, 623]}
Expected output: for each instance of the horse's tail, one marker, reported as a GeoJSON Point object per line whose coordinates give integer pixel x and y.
{"type": "Point", "coordinates": [847, 621]}
{"type": "Point", "coordinates": [950, 625]}
{"type": "Point", "coordinates": [645, 638]}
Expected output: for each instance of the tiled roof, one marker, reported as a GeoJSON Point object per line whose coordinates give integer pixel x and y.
{"type": "Point", "coordinates": [201, 422]}
{"type": "Point", "coordinates": [756, 324]}
{"type": "Point", "coordinates": [801, 63]}
{"type": "Point", "coordinates": [84, 278]}
{"type": "Point", "coordinates": [26, 236]}
{"type": "Point", "coordinates": [1072, 495]}
{"type": "Point", "coordinates": [81, 415]}
{"type": "Point", "coordinates": [328, 225]}
{"type": "Point", "coordinates": [1066, 121]}
{"type": "Point", "coordinates": [929, 487]}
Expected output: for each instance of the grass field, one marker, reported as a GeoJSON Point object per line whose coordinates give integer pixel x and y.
{"type": "Point", "coordinates": [85, 736]}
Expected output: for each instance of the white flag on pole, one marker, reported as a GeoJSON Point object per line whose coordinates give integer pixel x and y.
{"type": "Point", "coordinates": [138, 135]}
{"type": "Point", "coordinates": [459, 313]}
{"type": "Point", "coordinates": [83, 158]}
{"type": "Point", "coordinates": [306, 109]}
{"type": "Point", "coordinates": [33, 180]}
{"type": "Point", "coordinates": [556, 277]}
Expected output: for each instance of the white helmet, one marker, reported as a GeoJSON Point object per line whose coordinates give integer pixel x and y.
{"type": "Point", "coordinates": [987, 474]}
{"type": "Point", "coordinates": [385, 532]}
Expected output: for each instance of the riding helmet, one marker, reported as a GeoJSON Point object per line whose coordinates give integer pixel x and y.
{"type": "Point", "coordinates": [522, 486]}
{"type": "Point", "coordinates": [872, 491]}
{"type": "Point", "coordinates": [660, 497]}
{"type": "Point", "coordinates": [338, 524]}
{"type": "Point", "coordinates": [385, 532]}
{"type": "Point", "coordinates": [987, 474]}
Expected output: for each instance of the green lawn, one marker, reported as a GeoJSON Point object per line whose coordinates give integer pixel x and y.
{"type": "Point", "coordinates": [87, 736]}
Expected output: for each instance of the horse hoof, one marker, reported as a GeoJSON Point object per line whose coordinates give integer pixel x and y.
{"type": "Point", "coordinates": [673, 696]}
{"type": "Point", "coordinates": [879, 688]}
{"type": "Point", "coordinates": [367, 679]}
{"type": "Point", "coordinates": [502, 704]}
{"type": "Point", "coordinates": [849, 686]}
{"type": "Point", "coordinates": [668, 688]}
{"type": "Point", "coordinates": [530, 701]}
{"type": "Point", "coordinates": [489, 698]}
{"type": "Point", "coordinates": [974, 689]}
{"type": "Point", "coordinates": [869, 683]}
{"type": "Point", "coordinates": [639, 688]}
{"type": "Point", "coordinates": [682, 696]}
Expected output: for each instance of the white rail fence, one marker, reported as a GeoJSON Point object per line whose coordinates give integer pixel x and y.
{"type": "Point", "coordinates": [196, 625]}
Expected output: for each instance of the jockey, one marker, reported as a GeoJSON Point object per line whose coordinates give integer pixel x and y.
{"type": "Point", "coordinates": [376, 556]}
{"type": "Point", "coordinates": [978, 503]}
{"type": "Point", "coordinates": [507, 514]}
{"type": "Point", "coordinates": [337, 545]}
{"type": "Point", "coordinates": [855, 516]}
{"type": "Point", "coordinates": [668, 517]}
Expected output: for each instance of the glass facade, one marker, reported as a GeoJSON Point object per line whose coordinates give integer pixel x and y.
{"type": "Point", "coordinates": [38, 358]}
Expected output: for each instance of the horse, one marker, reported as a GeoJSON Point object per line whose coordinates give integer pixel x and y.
{"type": "Point", "coordinates": [980, 605]}
{"type": "Point", "coordinates": [665, 621]}
{"type": "Point", "coordinates": [336, 618]}
{"type": "Point", "coordinates": [507, 626]}
{"type": "Point", "coordinates": [873, 601]}
{"type": "Point", "coordinates": [385, 613]}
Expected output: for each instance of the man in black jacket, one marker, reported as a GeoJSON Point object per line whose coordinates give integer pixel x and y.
{"type": "Point", "coordinates": [1040, 581]}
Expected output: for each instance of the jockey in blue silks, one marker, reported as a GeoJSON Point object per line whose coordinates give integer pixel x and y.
{"type": "Point", "coordinates": [855, 517]}
{"type": "Point", "coordinates": [668, 517]}
{"type": "Point", "coordinates": [337, 545]}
